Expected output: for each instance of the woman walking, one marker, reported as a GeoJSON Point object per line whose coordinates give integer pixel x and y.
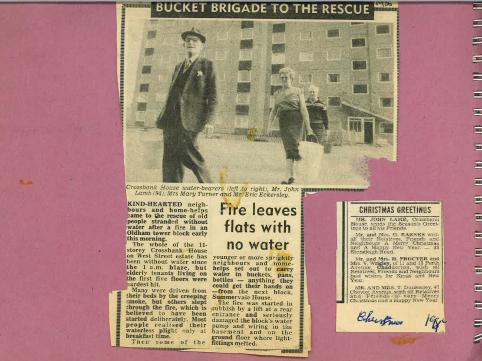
{"type": "Point", "coordinates": [290, 108]}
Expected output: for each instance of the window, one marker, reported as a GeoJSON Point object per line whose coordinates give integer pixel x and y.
{"type": "Point", "coordinates": [244, 76]}
{"type": "Point", "coordinates": [278, 38]}
{"type": "Point", "coordinates": [355, 23]}
{"type": "Point", "coordinates": [384, 53]}
{"type": "Point", "coordinates": [244, 87]}
{"type": "Point", "coordinates": [151, 34]}
{"type": "Point", "coordinates": [360, 88]}
{"type": "Point", "coordinates": [245, 54]}
{"type": "Point", "coordinates": [358, 43]}
{"type": "Point", "coordinates": [246, 44]}
{"type": "Point", "coordinates": [333, 54]}
{"type": "Point", "coordinates": [383, 29]}
{"type": "Point", "coordinates": [306, 35]}
{"type": "Point", "coordinates": [244, 65]}
{"type": "Point", "coordinates": [355, 125]}
{"type": "Point", "coordinates": [242, 98]}
{"type": "Point", "coordinates": [278, 48]}
{"type": "Point", "coordinates": [220, 55]}
{"type": "Point", "coordinates": [144, 88]}
{"type": "Point", "coordinates": [242, 109]}
{"type": "Point", "coordinates": [146, 69]}
{"type": "Point", "coordinates": [279, 28]}
{"type": "Point", "coordinates": [333, 33]}
{"type": "Point", "coordinates": [222, 35]}
{"type": "Point", "coordinates": [247, 24]}
{"type": "Point", "coordinates": [386, 102]}
{"type": "Point", "coordinates": [141, 107]}
{"type": "Point", "coordinates": [334, 101]}
{"type": "Point", "coordinates": [359, 65]}
{"type": "Point", "coordinates": [241, 122]}
{"type": "Point", "coordinates": [149, 51]}
{"type": "Point", "coordinates": [306, 56]}
{"type": "Point", "coordinates": [275, 68]}
{"type": "Point", "coordinates": [333, 78]}
{"type": "Point", "coordinates": [275, 88]}
{"type": "Point", "coordinates": [384, 77]}
{"type": "Point", "coordinates": [386, 128]}
{"type": "Point", "coordinates": [306, 78]}
{"type": "Point", "coordinates": [247, 33]}
{"type": "Point", "coordinates": [278, 58]}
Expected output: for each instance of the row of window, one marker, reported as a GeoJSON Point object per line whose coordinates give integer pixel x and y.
{"type": "Point", "coordinates": [279, 33]}
{"type": "Point", "coordinates": [244, 99]}
{"type": "Point", "coordinates": [278, 55]}
{"type": "Point", "coordinates": [244, 75]}
{"type": "Point", "coordinates": [333, 54]}
{"type": "Point", "coordinates": [307, 78]}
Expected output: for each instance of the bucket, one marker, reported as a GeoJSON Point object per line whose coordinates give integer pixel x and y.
{"type": "Point", "coordinates": [327, 148]}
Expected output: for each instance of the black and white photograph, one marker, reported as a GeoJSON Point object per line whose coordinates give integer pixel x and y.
{"type": "Point", "coordinates": [302, 102]}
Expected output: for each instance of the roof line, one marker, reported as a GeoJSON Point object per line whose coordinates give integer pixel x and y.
{"type": "Point", "coordinates": [365, 111]}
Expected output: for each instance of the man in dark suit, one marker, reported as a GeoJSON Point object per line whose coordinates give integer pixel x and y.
{"type": "Point", "coordinates": [190, 107]}
{"type": "Point", "coordinates": [317, 113]}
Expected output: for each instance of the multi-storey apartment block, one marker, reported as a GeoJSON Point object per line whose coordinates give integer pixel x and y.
{"type": "Point", "coordinates": [352, 63]}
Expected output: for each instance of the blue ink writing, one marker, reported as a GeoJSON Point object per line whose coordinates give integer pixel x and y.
{"type": "Point", "coordinates": [368, 317]}
{"type": "Point", "coordinates": [434, 321]}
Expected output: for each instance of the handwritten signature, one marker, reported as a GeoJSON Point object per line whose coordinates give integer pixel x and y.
{"type": "Point", "coordinates": [368, 317]}
{"type": "Point", "coordinates": [434, 322]}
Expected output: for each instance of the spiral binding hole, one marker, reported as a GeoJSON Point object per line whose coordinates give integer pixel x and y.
{"type": "Point", "coordinates": [477, 23]}
{"type": "Point", "coordinates": [478, 338]}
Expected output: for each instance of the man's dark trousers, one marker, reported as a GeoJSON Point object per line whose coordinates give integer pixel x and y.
{"type": "Point", "coordinates": [181, 149]}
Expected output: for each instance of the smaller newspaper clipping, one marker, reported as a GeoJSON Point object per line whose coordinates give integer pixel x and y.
{"type": "Point", "coordinates": [390, 260]}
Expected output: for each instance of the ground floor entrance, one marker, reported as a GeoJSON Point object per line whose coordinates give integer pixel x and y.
{"type": "Point", "coordinates": [361, 130]}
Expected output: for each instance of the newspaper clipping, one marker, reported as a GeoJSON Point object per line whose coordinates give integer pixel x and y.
{"type": "Point", "coordinates": [390, 267]}
{"type": "Point", "coordinates": [229, 110]}
{"type": "Point", "coordinates": [271, 93]}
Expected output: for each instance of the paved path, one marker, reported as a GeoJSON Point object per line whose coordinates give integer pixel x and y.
{"type": "Point", "coordinates": [252, 162]}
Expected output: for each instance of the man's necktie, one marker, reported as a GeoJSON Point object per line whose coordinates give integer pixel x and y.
{"type": "Point", "coordinates": [187, 64]}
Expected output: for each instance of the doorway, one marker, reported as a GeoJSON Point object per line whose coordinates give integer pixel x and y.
{"type": "Point", "coordinates": [361, 130]}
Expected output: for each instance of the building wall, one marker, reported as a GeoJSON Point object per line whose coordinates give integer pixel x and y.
{"type": "Point", "coordinates": [248, 55]}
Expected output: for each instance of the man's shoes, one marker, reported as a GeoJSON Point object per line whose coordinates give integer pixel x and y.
{"type": "Point", "coordinates": [290, 181]}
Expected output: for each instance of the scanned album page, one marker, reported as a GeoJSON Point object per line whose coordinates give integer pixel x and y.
{"type": "Point", "coordinates": [390, 267]}
{"type": "Point", "coordinates": [217, 168]}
